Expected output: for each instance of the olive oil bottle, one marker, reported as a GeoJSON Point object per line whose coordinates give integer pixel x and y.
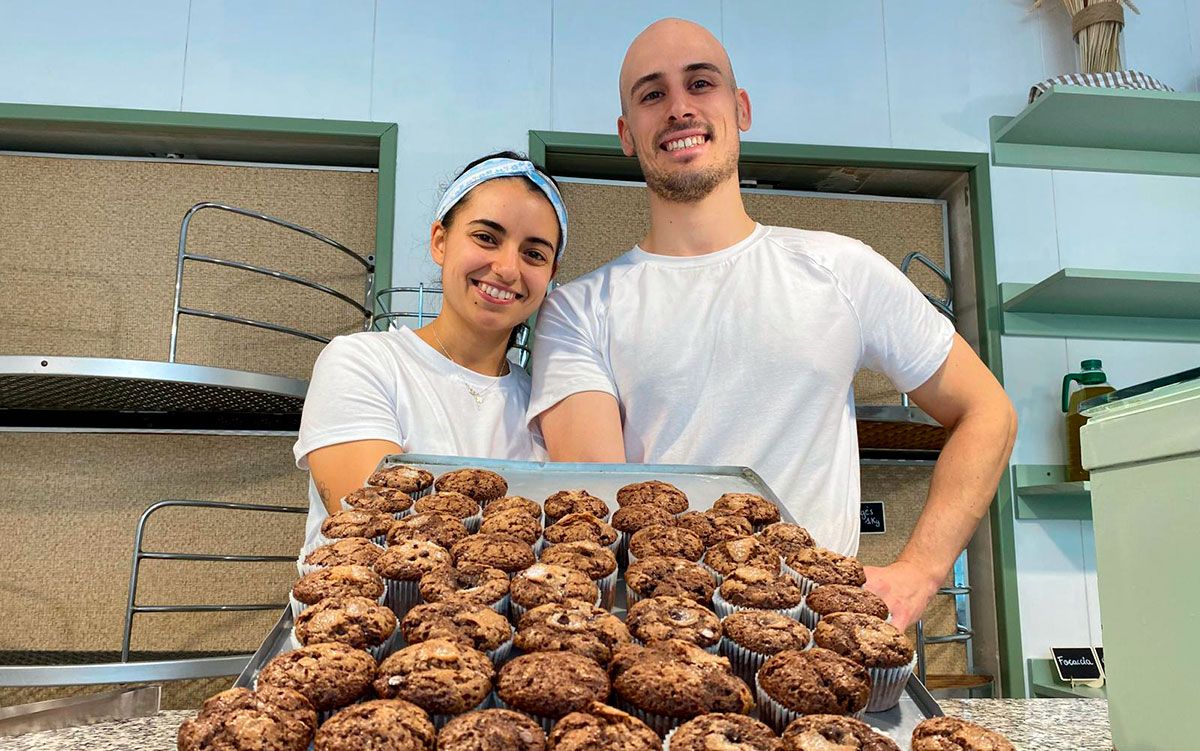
{"type": "Point", "coordinates": [1091, 383]}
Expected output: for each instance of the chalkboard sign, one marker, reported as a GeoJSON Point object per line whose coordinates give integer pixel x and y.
{"type": "Point", "coordinates": [1099, 656]}
{"type": "Point", "coordinates": [1075, 663]}
{"type": "Point", "coordinates": [870, 518]}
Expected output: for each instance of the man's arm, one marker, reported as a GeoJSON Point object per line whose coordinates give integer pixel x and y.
{"type": "Point", "coordinates": [584, 427]}
{"type": "Point", "coordinates": [343, 467]}
{"type": "Point", "coordinates": [965, 398]}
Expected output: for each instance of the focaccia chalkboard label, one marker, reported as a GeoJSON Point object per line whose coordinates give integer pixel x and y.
{"type": "Point", "coordinates": [870, 518]}
{"type": "Point", "coordinates": [1099, 656]}
{"type": "Point", "coordinates": [1075, 663]}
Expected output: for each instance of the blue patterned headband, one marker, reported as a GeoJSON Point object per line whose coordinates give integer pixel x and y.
{"type": "Point", "coordinates": [504, 167]}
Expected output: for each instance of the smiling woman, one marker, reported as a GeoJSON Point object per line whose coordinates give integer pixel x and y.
{"type": "Point", "coordinates": [448, 387]}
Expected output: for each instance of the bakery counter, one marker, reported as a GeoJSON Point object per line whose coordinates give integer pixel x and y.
{"type": "Point", "coordinates": [1032, 724]}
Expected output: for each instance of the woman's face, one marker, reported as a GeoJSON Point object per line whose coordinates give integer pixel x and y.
{"type": "Point", "coordinates": [497, 255]}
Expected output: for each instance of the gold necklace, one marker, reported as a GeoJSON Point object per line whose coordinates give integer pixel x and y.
{"type": "Point", "coordinates": [476, 395]}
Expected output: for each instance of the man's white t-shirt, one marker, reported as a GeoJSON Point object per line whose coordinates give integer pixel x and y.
{"type": "Point", "coordinates": [746, 357]}
{"type": "Point", "coordinates": [392, 386]}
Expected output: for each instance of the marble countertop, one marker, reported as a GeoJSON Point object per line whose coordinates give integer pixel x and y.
{"type": "Point", "coordinates": [1031, 724]}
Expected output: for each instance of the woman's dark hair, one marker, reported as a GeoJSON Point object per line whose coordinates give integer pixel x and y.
{"type": "Point", "coordinates": [448, 219]}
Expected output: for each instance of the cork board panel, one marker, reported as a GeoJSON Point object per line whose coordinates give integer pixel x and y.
{"type": "Point", "coordinates": [72, 504]}
{"type": "Point", "coordinates": [903, 491]}
{"type": "Point", "coordinates": [608, 219]}
{"type": "Point", "coordinates": [89, 249]}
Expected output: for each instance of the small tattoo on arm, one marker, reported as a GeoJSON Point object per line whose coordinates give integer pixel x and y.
{"type": "Point", "coordinates": [323, 491]}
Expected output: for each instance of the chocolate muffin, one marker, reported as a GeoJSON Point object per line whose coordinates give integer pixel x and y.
{"type": "Point", "coordinates": [329, 675]}
{"type": "Point", "coordinates": [869, 641]}
{"type": "Point", "coordinates": [572, 626]}
{"type": "Point", "coordinates": [441, 676]}
{"type": "Point", "coordinates": [816, 681]}
{"type": "Point", "coordinates": [543, 583]}
{"type": "Point", "coordinates": [786, 538]}
{"type": "Point", "coordinates": [492, 730]}
{"type": "Point", "coordinates": [820, 732]}
{"type": "Point", "coordinates": [668, 617]}
{"type": "Point", "coordinates": [481, 484]}
{"type": "Point", "coordinates": [515, 523]}
{"type": "Point", "coordinates": [580, 526]}
{"type": "Point", "coordinates": [757, 509]}
{"type": "Point", "coordinates": [411, 559]}
{"type": "Point", "coordinates": [505, 552]}
{"type": "Point", "coordinates": [821, 566]}
{"type": "Point", "coordinates": [472, 623]}
{"type": "Point", "coordinates": [385, 500]}
{"type": "Point", "coordinates": [765, 632]}
{"type": "Point", "coordinates": [757, 588]}
{"type": "Point", "coordinates": [351, 551]}
{"type": "Point", "coordinates": [338, 581]}
{"type": "Point", "coordinates": [671, 681]}
{"type": "Point", "coordinates": [276, 718]}
{"type": "Point", "coordinates": [513, 503]}
{"type": "Point", "coordinates": [632, 518]}
{"type": "Point", "coordinates": [843, 598]}
{"type": "Point", "coordinates": [953, 734]}
{"type": "Point", "coordinates": [442, 529]}
{"type": "Point", "coordinates": [378, 724]}
{"type": "Point", "coordinates": [670, 541]}
{"type": "Point", "coordinates": [408, 479]}
{"type": "Point", "coordinates": [724, 730]}
{"type": "Point", "coordinates": [354, 621]}
{"type": "Point", "coordinates": [593, 560]}
{"type": "Point", "coordinates": [724, 557]}
{"type": "Point", "coordinates": [356, 522]}
{"type": "Point", "coordinates": [714, 527]}
{"type": "Point", "coordinates": [548, 685]}
{"type": "Point", "coordinates": [566, 502]}
{"type": "Point", "coordinates": [467, 581]}
{"type": "Point", "coordinates": [599, 727]}
{"type": "Point", "coordinates": [660, 575]}
{"type": "Point", "coordinates": [664, 495]}
{"type": "Point", "coordinates": [447, 502]}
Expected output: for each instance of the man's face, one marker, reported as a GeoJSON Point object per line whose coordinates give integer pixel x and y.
{"type": "Point", "coordinates": [681, 113]}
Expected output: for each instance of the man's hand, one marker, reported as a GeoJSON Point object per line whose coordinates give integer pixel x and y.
{"type": "Point", "coordinates": [905, 587]}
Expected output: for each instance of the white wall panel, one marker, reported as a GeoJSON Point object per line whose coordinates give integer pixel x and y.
{"type": "Point", "coordinates": [1033, 371]}
{"type": "Point", "coordinates": [1158, 43]}
{"type": "Point", "coordinates": [460, 83]}
{"type": "Point", "coordinates": [1023, 218]}
{"type": "Point", "coordinates": [79, 53]}
{"type": "Point", "coordinates": [815, 71]}
{"type": "Point", "coordinates": [1054, 602]}
{"type": "Point", "coordinates": [950, 68]}
{"type": "Point", "coordinates": [294, 58]}
{"type": "Point", "coordinates": [590, 39]}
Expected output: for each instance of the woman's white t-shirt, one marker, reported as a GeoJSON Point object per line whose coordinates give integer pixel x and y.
{"type": "Point", "coordinates": [392, 386]}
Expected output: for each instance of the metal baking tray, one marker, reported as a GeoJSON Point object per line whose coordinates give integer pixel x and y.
{"type": "Point", "coordinates": [703, 485]}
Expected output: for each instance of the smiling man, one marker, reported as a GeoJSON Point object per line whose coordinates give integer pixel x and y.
{"type": "Point", "coordinates": [718, 340]}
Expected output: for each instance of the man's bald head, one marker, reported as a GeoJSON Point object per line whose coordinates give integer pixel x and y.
{"type": "Point", "coordinates": [666, 39]}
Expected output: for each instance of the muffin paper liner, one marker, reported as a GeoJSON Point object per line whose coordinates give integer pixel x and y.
{"type": "Point", "coordinates": [806, 585]}
{"type": "Point", "coordinates": [623, 550]}
{"type": "Point", "coordinates": [717, 575]}
{"type": "Point", "coordinates": [725, 607]}
{"type": "Point", "coordinates": [661, 724]}
{"type": "Point", "coordinates": [439, 720]}
{"type": "Point", "coordinates": [887, 685]}
{"type": "Point", "coordinates": [608, 590]}
{"type": "Point", "coordinates": [379, 652]}
{"type": "Point", "coordinates": [402, 595]}
{"type": "Point", "coordinates": [778, 716]}
{"type": "Point", "coordinates": [746, 662]}
{"type": "Point", "coordinates": [547, 722]}
{"type": "Point", "coordinates": [299, 607]}
{"type": "Point", "coordinates": [500, 654]}
{"type": "Point", "coordinates": [515, 611]}
{"type": "Point", "coordinates": [307, 568]}
{"type": "Point", "coordinates": [630, 597]}
{"type": "Point", "coordinates": [473, 521]}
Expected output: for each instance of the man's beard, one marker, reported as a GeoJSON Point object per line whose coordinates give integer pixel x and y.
{"type": "Point", "coordinates": [689, 186]}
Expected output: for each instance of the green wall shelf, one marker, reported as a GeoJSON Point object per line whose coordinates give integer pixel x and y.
{"type": "Point", "coordinates": [1046, 685]}
{"type": "Point", "coordinates": [1043, 492]}
{"type": "Point", "coordinates": [1099, 304]}
{"type": "Point", "coordinates": [1107, 130]}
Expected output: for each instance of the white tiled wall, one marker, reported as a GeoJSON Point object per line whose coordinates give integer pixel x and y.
{"type": "Point", "coordinates": [465, 78]}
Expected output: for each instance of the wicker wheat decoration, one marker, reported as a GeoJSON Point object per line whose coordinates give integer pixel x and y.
{"type": "Point", "coordinates": [1096, 27]}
